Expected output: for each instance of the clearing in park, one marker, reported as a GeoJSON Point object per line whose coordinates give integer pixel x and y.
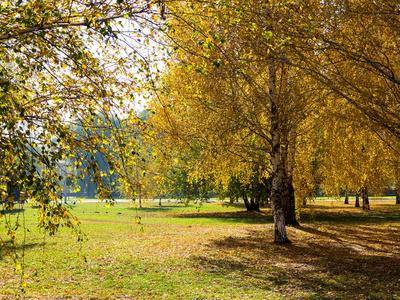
{"type": "Point", "coordinates": [212, 251]}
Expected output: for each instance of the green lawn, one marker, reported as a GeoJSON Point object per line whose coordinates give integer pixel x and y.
{"type": "Point", "coordinates": [211, 252]}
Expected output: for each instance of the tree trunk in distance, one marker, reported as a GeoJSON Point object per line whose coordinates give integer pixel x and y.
{"type": "Point", "coordinates": [276, 173]}
{"type": "Point", "coordinates": [292, 203]}
{"type": "Point", "coordinates": [357, 199]}
{"type": "Point", "coordinates": [247, 203]}
{"type": "Point", "coordinates": [397, 178]}
{"type": "Point", "coordinates": [254, 204]}
{"type": "Point", "coordinates": [290, 171]}
{"type": "Point", "coordinates": [159, 201]}
{"type": "Point", "coordinates": [365, 200]}
{"type": "Point", "coordinates": [288, 199]}
{"type": "Point", "coordinates": [346, 196]}
{"type": "Point", "coordinates": [261, 202]}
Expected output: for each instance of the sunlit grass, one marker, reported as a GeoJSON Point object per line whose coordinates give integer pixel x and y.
{"type": "Point", "coordinates": [212, 252]}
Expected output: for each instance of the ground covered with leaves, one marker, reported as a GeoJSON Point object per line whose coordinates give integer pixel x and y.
{"type": "Point", "coordinates": [211, 252]}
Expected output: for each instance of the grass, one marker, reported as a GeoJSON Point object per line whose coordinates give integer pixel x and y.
{"type": "Point", "coordinates": [212, 252]}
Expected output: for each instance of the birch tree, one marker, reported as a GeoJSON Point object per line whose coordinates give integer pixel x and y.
{"type": "Point", "coordinates": [243, 97]}
{"type": "Point", "coordinates": [62, 64]}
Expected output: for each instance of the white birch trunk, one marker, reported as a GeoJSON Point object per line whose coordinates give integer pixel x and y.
{"type": "Point", "coordinates": [276, 190]}
{"type": "Point", "coordinates": [397, 179]}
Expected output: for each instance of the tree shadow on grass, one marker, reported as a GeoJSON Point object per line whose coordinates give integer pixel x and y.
{"type": "Point", "coordinates": [12, 211]}
{"type": "Point", "coordinates": [7, 247]}
{"type": "Point", "coordinates": [350, 218]}
{"type": "Point", "coordinates": [350, 215]}
{"type": "Point", "coordinates": [350, 208]}
{"type": "Point", "coordinates": [339, 264]}
{"type": "Point", "coordinates": [241, 205]}
{"type": "Point", "coordinates": [231, 216]}
{"type": "Point", "coordinates": [157, 209]}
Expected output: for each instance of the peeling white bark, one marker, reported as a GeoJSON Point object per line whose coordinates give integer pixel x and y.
{"type": "Point", "coordinates": [276, 189]}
